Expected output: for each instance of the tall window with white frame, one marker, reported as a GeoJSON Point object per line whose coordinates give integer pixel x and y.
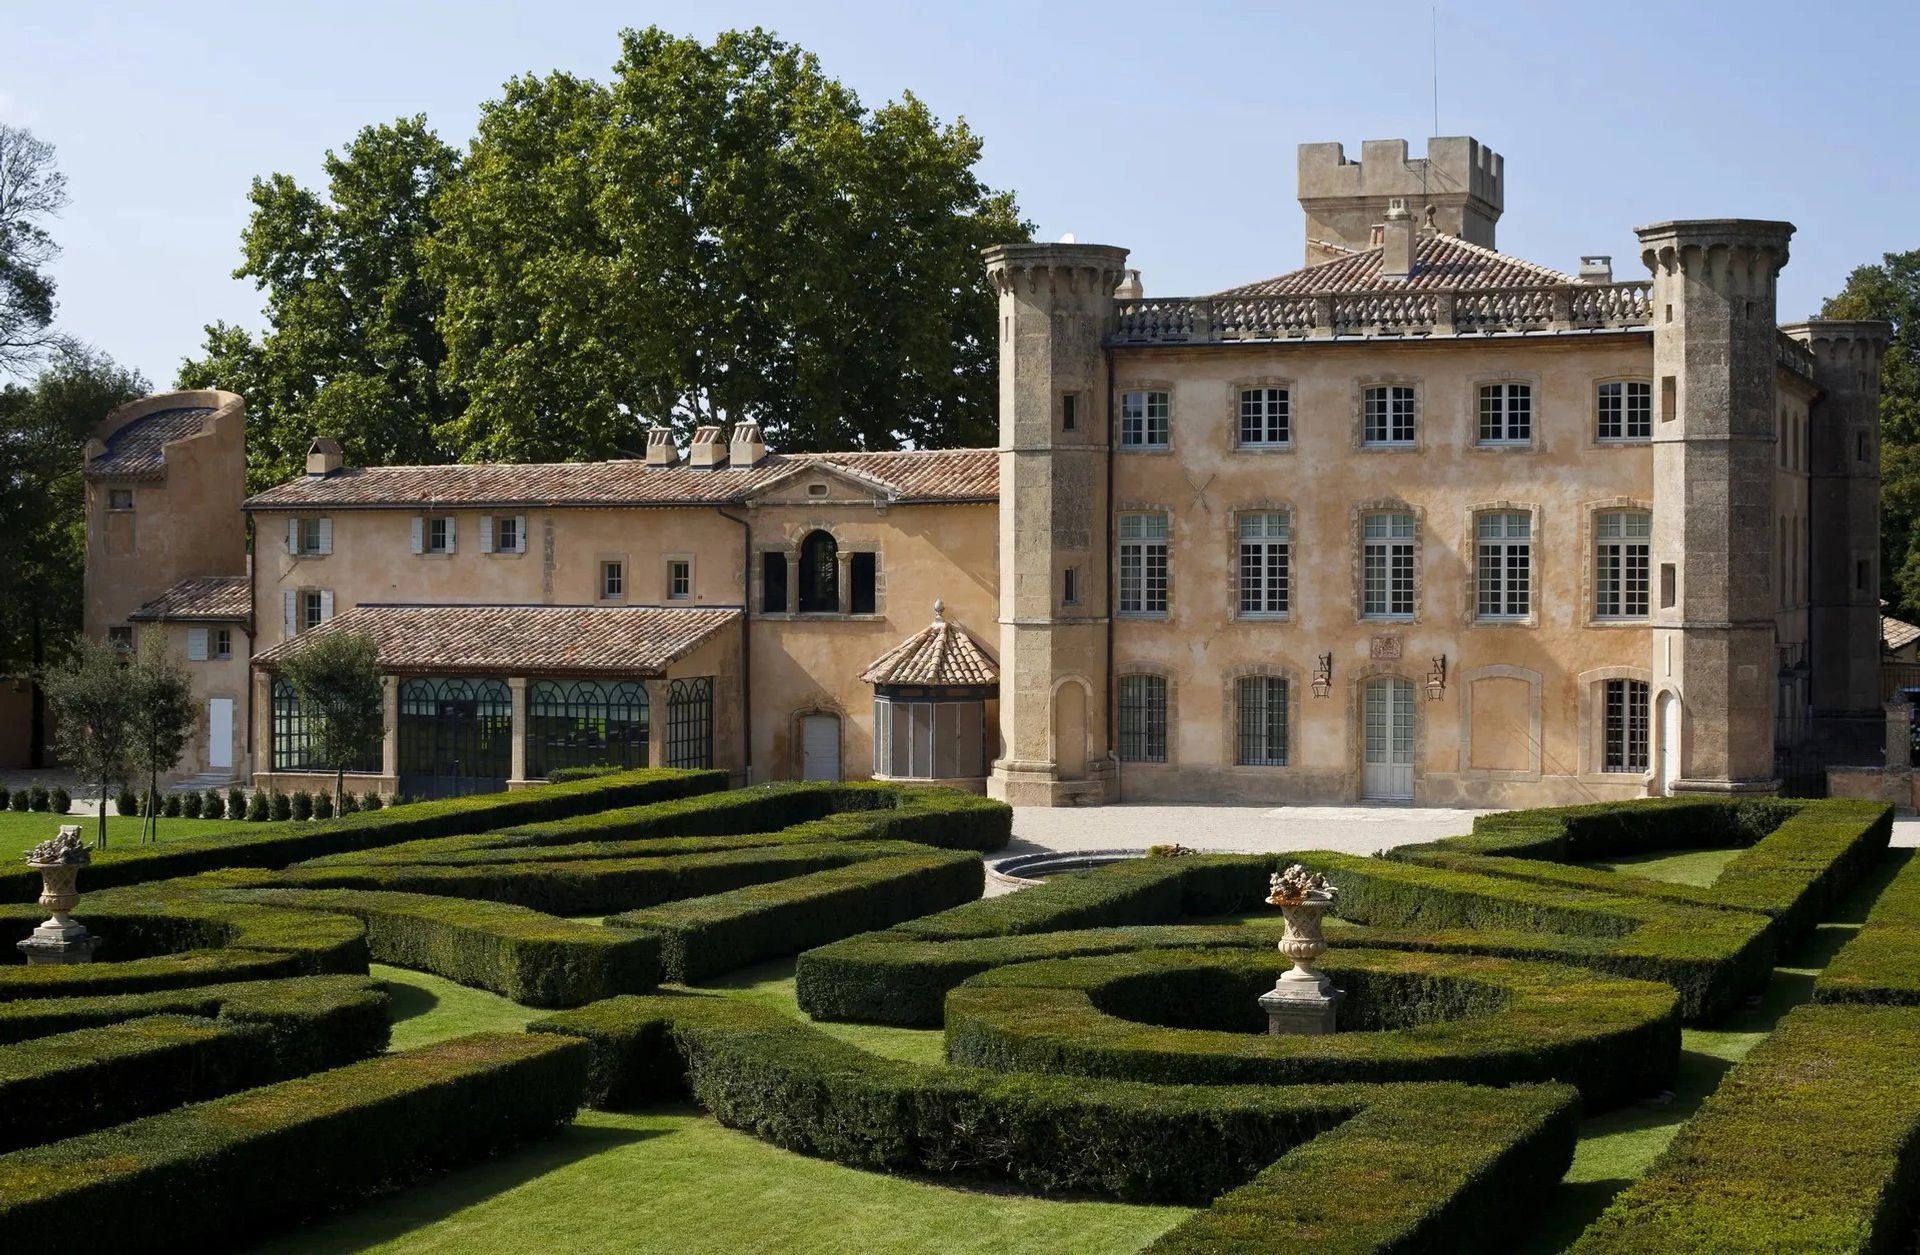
{"type": "Point", "coordinates": [1266, 418]}
{"type": "Point", "coordinates": [1622, 549]}
{"type": "Point", "coordinates": [1387, 566]}
{"type": "Point", "coordinates": [1625, 410]}
{"type": "Point", "coordinates": [1506, 413]}
{"type": "Point", "coordinates": [1144, 418]}
{"type": "Point", "coordinates": [1262, 705]}
{"type": "Point", "coordinates": [1625, 726]}
{"type": "Point", "coordinates": [1143, 564]}
{"type": "Point", "coordinates": [1143, 719]}
{"type": "Point", "coordinates": [1266, 564]}
{"type": "Point", "coordinates": [1388, 416]}
{"type": "Point", "coordinates": [1504, 565]}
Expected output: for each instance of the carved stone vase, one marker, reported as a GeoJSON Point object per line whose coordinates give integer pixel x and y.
{"type": "Point", "coordinates": [61, 939]}
{"type": "Point", "coordinates": [1302, 1001]}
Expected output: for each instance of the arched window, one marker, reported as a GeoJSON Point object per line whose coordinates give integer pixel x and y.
{"type": "Point", "coordinates": [585, 724]}
{"type": "Point", "coordinates": [819, 574]}
{"type": "Point", "coordinates": [293, 748]}
{"type": "Point", "coordinates": [456, 736]}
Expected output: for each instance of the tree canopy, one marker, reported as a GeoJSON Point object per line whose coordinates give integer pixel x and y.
{"type": "Point", "coordinates": [1890, 291]}
{"type": "Point", "coordinates": [32, 190]}
{"type": "Point", "coordinates": [721, 231]}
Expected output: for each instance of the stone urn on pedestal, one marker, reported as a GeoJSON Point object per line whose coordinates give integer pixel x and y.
{"type": "Point", "coordinates": [61, 939]}
{"type": "Point", "coordinates": [1302, 1001]}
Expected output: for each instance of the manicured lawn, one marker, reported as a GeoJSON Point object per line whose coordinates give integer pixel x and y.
{"type": "Point", "coordinates": [1687, 867]}
{"type": "Point", "coordinates": [20, 831]}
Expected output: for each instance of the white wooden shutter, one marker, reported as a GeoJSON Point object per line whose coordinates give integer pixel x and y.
{"type": "Point", "coordinates": [326, 604]}
{"type": "Point", "coordinates": [450, 533]}
{"type": "Point", "coordinates": [290, 615]}
{"type": "Point", "coordinates": [293, 536]}
{"type": "Point", "coordinates": [520, 534]}
{"type": "Point", "coordinates": [196, 644]}
{"type": "Point", "coordinates": [486, 533]}
{"type": "Point", "coordinates": [419, 540]}
{"type": "Point", "coordinates": [326, 536]}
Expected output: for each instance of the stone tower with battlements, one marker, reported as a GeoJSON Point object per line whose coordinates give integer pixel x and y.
{"type": "Point", "coordinates": [1715, 348]}
{"type": "Point", "coordinates": [1344, 200]}
{"type": "Point", "coordinates": [1056, 307]}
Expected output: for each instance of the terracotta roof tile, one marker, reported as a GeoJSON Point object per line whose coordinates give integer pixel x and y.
{"type": "Point", "coordinates": [136, 451]}
{"type": "Point", "coordinates": [1896, 633]}
{"type": "Point", "coordinates": [936, 475]}
{"type": "Point", "coordinates": [517, 640]}
{"type": "Point", "coordinates": [941, 654]}
{"type": "Point", "coordinates": [1443, 262]}
{"type": "Point", "coordinates": [216, 598]}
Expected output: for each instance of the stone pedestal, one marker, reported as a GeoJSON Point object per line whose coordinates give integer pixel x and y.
{"type": "Point", "coordinates": [1301, 1007]}
{"type": "Point", "coordinates": [61, 939]}
{"type": "Point", "coordinates": [52, 943]}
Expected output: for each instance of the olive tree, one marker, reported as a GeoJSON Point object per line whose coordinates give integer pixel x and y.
{"type": "Point", "coordinates": [336, 677]}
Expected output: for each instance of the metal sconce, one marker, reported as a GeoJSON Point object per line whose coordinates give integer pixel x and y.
{"type": "Point", "coordinates": [1323, 676]}
{"type": "Point", "coordinates": [1437, 679]}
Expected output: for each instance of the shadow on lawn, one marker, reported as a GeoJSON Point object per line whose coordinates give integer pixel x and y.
{"type": "Point", "coordinates": [405, 1001]}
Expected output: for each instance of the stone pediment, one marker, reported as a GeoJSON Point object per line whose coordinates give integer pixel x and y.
{"type": "Point", "coordinates": [822, 482]}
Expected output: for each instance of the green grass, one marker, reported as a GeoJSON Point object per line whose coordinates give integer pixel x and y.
{"type": "Point", "coordinates": [20, 831]}
{"type": "Point", "coordinates": [427, 1009]}
{"type": "Point", "coordinates": [1699, 868]}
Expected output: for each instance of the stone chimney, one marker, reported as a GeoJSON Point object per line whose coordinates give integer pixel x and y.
{"type": "Point", "coordinates": [709, 450]}
{"type": "Point", "coordinates": [1596, 268]}
{"type": "Point", "coordinates": [749, 444]}
{"type": "Point", "coordinates": [1397, 242]}
{"type": "Point", "coordinates": [1130, 288]}
{"type": "Point", "coordinates": [661, 450]}
{"type": "Point", "coordinates": [324, 457]}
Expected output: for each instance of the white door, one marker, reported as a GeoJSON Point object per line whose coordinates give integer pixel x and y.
{"type": "Point", "coordinates": [1389, 741]}
{"type": "Point", "coordinates": [220, 734]}
{"type": "Point", "coordinates": [820, 747]}
{"type": "Point", "coordinates": [1669, 745]}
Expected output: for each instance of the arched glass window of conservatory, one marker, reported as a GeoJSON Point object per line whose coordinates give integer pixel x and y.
{"type": "Point", "coordinates": [293, 747]}
{"type": "Point", "coordinates": [585, 723]}
{"type": "Point", "coordinates": [819, 574]}
{"type": "Point", "coordinates": [456, 736]}
{"type": "Point", "coordinates": [929, 738]}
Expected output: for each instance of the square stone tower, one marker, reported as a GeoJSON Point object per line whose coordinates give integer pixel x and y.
{"type": "Point", "coordinates": [1056, 307]}
{"type": "Point", "coordinates": [1463, 179]}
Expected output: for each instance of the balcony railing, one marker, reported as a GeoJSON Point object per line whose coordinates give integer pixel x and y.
{"type": "Point", "coordinates": [1483, 311]}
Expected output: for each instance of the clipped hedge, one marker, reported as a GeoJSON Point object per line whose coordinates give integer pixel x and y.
{"type": "Point", "coordinates": [1440, 1162]}
{"type": "Point", "coordinates": [1882, 961]}
{"type": "Point", "coordinates": [56, 1086]}
{"type": "Point", "coordinates": [1602, 830]}
{"type": "Point", "coordinates": [275, 1003]}
{"type": "Point", "coordinates": [217, 1172]}
{"type": "Point", "coordinates": [1810, 1144]}
{"type": "Point", "coordinates": [283, 843]}
{"type": "Point", "coordinates": [1186, 1017]}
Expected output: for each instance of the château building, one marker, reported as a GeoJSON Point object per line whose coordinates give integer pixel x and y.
{"type": "Point", "coordinates": [1418, 521]}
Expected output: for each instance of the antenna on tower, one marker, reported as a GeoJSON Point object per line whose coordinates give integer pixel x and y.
{"type": "Point", "coordinates": [1434, 12]}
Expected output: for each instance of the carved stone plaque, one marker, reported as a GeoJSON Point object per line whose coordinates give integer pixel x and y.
{"type": "Point", "coordinates": [1384, 648]}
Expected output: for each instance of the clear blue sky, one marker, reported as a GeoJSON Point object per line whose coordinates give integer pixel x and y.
{"type": "Point", "coordinates": [1167, 128]}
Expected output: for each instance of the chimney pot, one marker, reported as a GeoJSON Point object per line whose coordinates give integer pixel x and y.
{"type": "Point", "coordinates": [1596, 268]}
{"type": "Point", "coordinates": [1130, 288]}
{"type": "Point", "coordinates": [324, 456]}
{"type": "Point", "coordinates": [709, 450]}
{"type": "Point", "coordinates": [661, 450]}
{"type": "Point", "coordinates": [749, 444]}
{"type": "Point", "coordinates": [1397, 241]}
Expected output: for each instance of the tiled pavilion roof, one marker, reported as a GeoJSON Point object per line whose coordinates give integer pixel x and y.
{"type": "Point", "coordinates": [940, 655]}
{"type": "Point", "coordinates": [136, 451]}
{"type": "Point", "coordinates": [211, 598]}
{"type": "Point", "coordinates": [1441, 262]}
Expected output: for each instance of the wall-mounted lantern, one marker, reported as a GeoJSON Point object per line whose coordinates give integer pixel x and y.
{"type": "Point", "coordinates": [1437, 679]}
{"type": "Point", "coordinates": [1323, 675]}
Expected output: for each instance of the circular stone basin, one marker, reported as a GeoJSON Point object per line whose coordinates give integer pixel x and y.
{"type": "Point", "coordinates": [1189, 1017]}
{"type": "Point", "coordinates": [1023, 871]}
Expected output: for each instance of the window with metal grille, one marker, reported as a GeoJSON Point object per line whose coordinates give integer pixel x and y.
{"type": "Point", "coordinates": [1143, 719]}
{"type": "Point", "coordinates": [1626, 726]}
{"type": "Point", "coordinates": [1504, 565]}
{"type": "Point", "coordinates": [1144, 419]}
{"type": "Point", "coordinates": [690, 722]}
{"type": "Point", "coordinates": [1263, 721]}
{"type": "Point", "coordinates": [773, 583]}
{"type": "Point", "coordinates": [1506, 413]}
{"type": "Point", "coordinates": [1266, 554]}
{"type": "Point", "coordinates": [1626, 411]}
{"type": "Point", "coordinates": [1388, 415]}
{"type": "Point", "coordinates": [1387, 576]}
{"type": "Point", "coordinates": [1265, 417]}
{"type": "Point", "coordinates": [1623, 544]}
{"type": "Point", "coordinates": [292, 735]}
{"type": "Point", "coordinates": [586, 723]}
{"type": "Point", "coordinates": [1143, 564]}
{"type": "Point", "coordinates": [455, 735]}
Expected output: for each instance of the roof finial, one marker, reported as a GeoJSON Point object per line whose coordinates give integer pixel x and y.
{"type": "Point", "coordinates": [939, 610]}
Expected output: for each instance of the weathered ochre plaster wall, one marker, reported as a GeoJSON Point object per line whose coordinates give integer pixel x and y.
{"type": "Point", "coordinates": [1519, 722]}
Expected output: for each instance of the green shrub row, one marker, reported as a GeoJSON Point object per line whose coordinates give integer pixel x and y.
{"type": "Point", "coordinates": [1607, 830]}
{"type": "Point", "coordinates": [271, 1002]}
{"type": "Point", "coordinates": [165, 936]}
{"type": "Point", "coordinates": [217, 1172]}
{"type": "Point", "coordinates": [39, 798]}
{"type": "Point", "coordinates": [288, 843]}
{"type": "Point", "coordinates": [1882, 961]}
{"type": "Point", "coordinates": [1403, 1166]}
{"type": "Point", "coordinates": [704, 936]}
{"type": "Point", "coordinates": [57, 1086]}
{"type": "Point", "coordinates": [1811, 854]}
{"type": "Point", "coordinates": [1192, 1017]}
{"type": "Point", "coordinates": [536, 959]}
{"type": "Point", "coordinates": [1811, 1144]}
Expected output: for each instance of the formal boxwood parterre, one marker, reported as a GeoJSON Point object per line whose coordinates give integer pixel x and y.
{"type": "Point", "coordinates": [1812, 1143]}
{"type": "Point", "coordinates": [1186, 1016]}
{"type": "Point", "coordinates": [216, 1172]}
{"type": "Point", "coordinates": [1443, 1164]}
{"type": "Point", "coordinates": [1882, 961]}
